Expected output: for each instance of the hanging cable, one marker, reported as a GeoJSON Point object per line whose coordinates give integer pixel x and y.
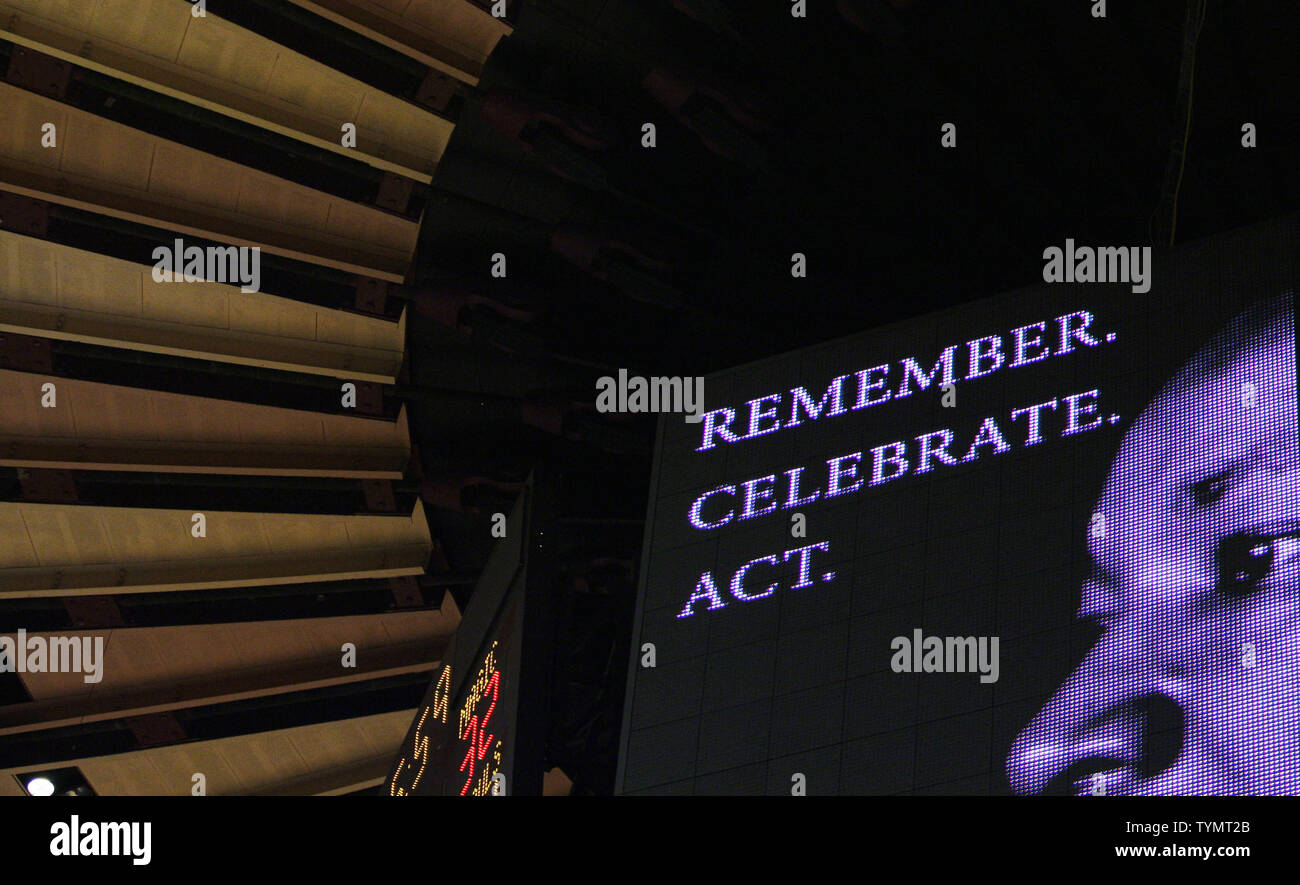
{"type": "Point", "coordinates": [1173, 181]}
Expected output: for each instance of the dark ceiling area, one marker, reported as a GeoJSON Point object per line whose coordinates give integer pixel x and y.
{"type": "Point", "coordinates": [821, 135]}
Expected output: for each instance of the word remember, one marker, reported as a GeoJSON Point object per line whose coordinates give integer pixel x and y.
{"type": "Point", "coordinates": [892, 381]}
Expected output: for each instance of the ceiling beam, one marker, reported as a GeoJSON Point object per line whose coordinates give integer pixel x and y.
{"type": "Point", "coordinates": [57, 291]}
{"type": "Point", "coordinates": [63, 712]}
{"type": "Point", "coordinates": [242, 764]}
{"type": "Point", "coordinates": [226, 226]}
{"type": "Point", "coordinates": [69, 550]}
{"type": "Point", "coordinates": [239, 74]}
{"type": "Point", "coordinates": [452, 36]}
{"type": "Point", "coordinates": [106, 427]}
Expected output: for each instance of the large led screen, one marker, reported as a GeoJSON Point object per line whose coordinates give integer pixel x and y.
{"type": "Point", "coordinates": [1048, 542]}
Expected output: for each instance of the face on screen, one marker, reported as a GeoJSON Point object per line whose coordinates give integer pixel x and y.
{"type": "Point", "coordinates": [1192, 688]}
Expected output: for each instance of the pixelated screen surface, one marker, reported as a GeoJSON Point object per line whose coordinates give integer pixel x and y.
{"type": "Point", "coordinates": [1043, 543]}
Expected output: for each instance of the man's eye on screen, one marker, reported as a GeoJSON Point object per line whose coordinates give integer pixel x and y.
{"type": "Point", "coordinates": [1245, 560]}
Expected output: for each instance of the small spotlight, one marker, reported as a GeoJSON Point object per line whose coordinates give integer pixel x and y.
{"type": "Point", "coordinates": [67, 781]}
{"type": "Point", "coordinates": [40, 786]}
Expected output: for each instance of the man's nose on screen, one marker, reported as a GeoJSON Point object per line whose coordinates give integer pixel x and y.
{"type": "Point", "coordinates": [1114, 728]}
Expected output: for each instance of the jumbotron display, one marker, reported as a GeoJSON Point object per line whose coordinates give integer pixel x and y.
{"type": "Point", "coordinates": [1045, 543]}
